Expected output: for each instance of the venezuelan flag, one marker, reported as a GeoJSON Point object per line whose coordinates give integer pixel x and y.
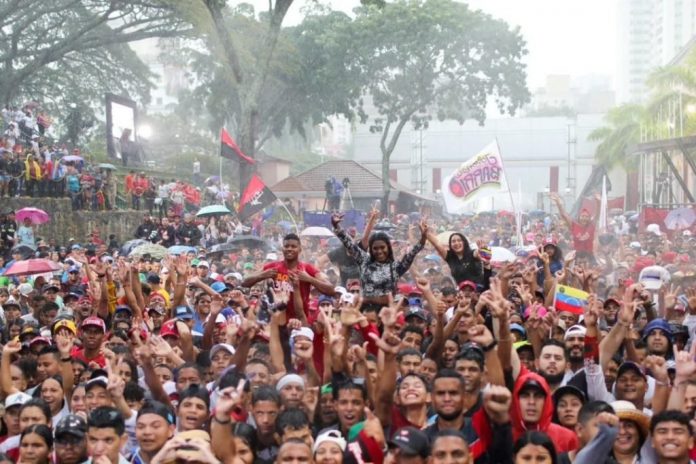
{"type": "Point", "coordinates": [570, 299]}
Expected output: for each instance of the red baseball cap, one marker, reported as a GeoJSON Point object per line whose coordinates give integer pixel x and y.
{"type": "Point", "coordinates": [467, 283]}
{"type": "Point", "coordinates": [94, 321]}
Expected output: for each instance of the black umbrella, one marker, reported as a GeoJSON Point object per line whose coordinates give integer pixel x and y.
{"type": "Point", "coordinates": [130, 245]}
{"type": "Point", "coordinates": [249, 241]}
{"type": "Point", "coordinates": [24, 250]}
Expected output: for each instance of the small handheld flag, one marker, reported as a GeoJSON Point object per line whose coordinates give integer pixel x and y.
{"type": "Point", "coordinates": [570, 299]}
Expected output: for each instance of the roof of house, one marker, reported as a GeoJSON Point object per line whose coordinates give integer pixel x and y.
{"type": "Point", "coordinates": [361, 178]}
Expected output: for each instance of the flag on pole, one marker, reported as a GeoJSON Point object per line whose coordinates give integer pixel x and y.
{"type": "Point", "coordinates": [255, 198]}
{"type": "Point", "coordinates": [570, 299]}
{"type": "Point", "coordinates": [230, 150]}
{"type": "Point", "coordinates": [478, 177]}
{"type": "Point", "coordinates": [603, 207]}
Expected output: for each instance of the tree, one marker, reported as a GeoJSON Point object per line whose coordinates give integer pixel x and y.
{"type": "Point", "coordinates": [623, 129]}
{"type": "Point", "coordinates": [673, 98]}
{"type": "Point", "coordinates": [305, 79]}
{"type": "Point", "coordinates": [432, 58]}
{"type": "Point", "coordinates": [68, 52]}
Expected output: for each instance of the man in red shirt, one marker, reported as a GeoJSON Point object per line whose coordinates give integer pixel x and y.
{"type": "Point", "coordinates": [92, 332]}
{"type": "Point", "coordinates": [290, 269]}
{"type": "Point", "coordinates": [583, 231]}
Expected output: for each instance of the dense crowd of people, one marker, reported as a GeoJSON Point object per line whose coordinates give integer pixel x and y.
{"type": "Point", "coordinates": [408, 344]}
{"type": "Point", "coordinates": [31, 165]}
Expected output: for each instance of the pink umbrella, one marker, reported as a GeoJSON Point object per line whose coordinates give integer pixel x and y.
{"type": "Point", "coordinates": [32, 266]}
{"type": "Point", "coordinates": [36, 215]}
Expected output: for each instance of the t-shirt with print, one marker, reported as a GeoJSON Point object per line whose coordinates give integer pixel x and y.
{"type": "Point", "coordinates": [282, 280]}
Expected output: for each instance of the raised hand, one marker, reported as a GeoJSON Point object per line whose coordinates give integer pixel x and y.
{"type": "Point", "coordinates": [12, 347]}
{"type": "Point", "coordinates": [64, 343]}
{"type": "Point", "coordinates": [389, 343]}
{"type": "Point", "coordinates": [423, 284]}
{"type": "Point", "coordinates": [496, 402]}
{"type": "Point", "coordinates": [304, 350]}
{"type": "Point", "coordinates": [336, 219]}
{"type": "Point", "coordinates": [229, 398]}
{"type": "Point", "coordinates": [480, 335]}
{"type": "Point", "coordinates": [685, 364]}
{"type": "Point", "coordinates": [691, 298]}
{"type": "Point", "coordinates": [373, 427]}
{"type": "Point", "coordinates": [657, 367]}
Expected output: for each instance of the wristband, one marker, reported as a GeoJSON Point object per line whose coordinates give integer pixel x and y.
{"type": "Point", "coordinates": [489, 347]}
{"type": "Point", "coordinates": [222, 422]}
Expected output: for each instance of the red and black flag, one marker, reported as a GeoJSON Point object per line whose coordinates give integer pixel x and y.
{"type": "Point", "coordinates": [230, 150]}
{"type": "Point", "coordinates": [255, 198]}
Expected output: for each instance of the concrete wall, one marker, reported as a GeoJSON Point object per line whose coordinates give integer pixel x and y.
{"type": "Point", "coordinates": [66, 224]}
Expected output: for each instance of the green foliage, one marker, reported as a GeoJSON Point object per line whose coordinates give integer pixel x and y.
{"type": "Point", "coordinates": [64, 52]}
{"type": "Point", "coordinates": [422, 59]}
{"type": "Point", "coordinates": [623, 129]}
{"type": "Point", "coordinates": [306, 79]}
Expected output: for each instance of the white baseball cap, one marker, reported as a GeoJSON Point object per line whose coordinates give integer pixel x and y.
{"type": "Point", "coordinates": [653, 277]}
{"type": "Point", "coordinates": [16, 399]}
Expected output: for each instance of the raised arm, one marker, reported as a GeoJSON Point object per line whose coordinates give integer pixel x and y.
{"type": "Point", "coordinates": [386, 384]}
{"type": "Point", "coordinates": [369, 225]}
{"type": "Point", "coordinates": [358, 254]}
{"type": "Point", "coordinates": [405, 263]}
{"type": "Point", "coordinates": [8, 350]}
{"type": "Point", "coordinates": [561, 210]}
{"type": "Point", "coordinates": [439, 247]}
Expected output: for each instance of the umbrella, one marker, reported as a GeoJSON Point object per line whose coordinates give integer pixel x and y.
{"type": "Point", "coordinates": [130, 245]}
{"type": "Point", "coordinates": [32, 266]}
{"type": "Point", "coordinates": [180, 250]}
{"type": "Point", "coordinates": [248, 241]}
{"type": "Point", "coordinates": [680, 218]}
{"type": "Point", "coordinates": [107, 166]}
{"type": "Point", "coordinates": [286, 225]}
{"type": "Point", "coordinates": [36, 215]}
{"type": "Point", "coordinates": [155, 251]}
{"type": "Point", "coordinates": [444, 237]}
{"type": "Point", "coordinates": [385, 225]}
{"type": "Point", "coordinates": [72, 158]}
{"type": "Point", "coordinates": [316, 232]}
{"type": "Point", "coordinates": [432, 257]}
{"type": "Point", "coordinates": [537, 213]}
{"type": "Point", "coordinates": [213, 210]}
{"type": "Point", "coordinates": [24, 250]}
{"type": "Point", "coordinates": [501, 255]}
{"type": "Point", "coordinates": [212, 179]}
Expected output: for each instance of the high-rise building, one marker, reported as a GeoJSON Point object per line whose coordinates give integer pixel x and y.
{"type": "Point", "coordinates": [651, 33]}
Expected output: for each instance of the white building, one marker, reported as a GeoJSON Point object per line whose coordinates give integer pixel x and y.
{"type": "Point", "coordinates": [650, 34]}
{"type": "Point", "coordinates": [540, 155]}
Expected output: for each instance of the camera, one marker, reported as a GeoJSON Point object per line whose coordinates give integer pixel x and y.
{"type": "Point", "coordinates": [346, 182]}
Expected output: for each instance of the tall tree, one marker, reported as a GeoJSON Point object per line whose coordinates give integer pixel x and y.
{"type": "Point", "coordinates": [302, 82]}
{"type": "Point", "coordinates": [425, 59]}
{"type": "Point", "coordinates": [623, 129]}
{"type": "Point", "coordinates": [66, 47]}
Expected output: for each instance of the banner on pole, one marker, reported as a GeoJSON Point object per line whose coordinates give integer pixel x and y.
{"type": "Point", "coordinates": [480, 176]}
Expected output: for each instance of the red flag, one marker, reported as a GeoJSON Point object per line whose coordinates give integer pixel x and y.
{"type": "Point", "coordinates": [230, 150]}
{"type": "Point", "coordinates": [255, 198]}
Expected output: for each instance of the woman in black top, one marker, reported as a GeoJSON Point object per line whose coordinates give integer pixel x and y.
{"type": "Point", "coordinates": [464, 263]}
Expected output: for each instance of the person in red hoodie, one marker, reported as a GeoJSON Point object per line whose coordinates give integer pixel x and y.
{"type": "Point", "coordinates": [532, 409]}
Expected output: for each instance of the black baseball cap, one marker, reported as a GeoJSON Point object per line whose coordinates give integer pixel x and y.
{"type": "Point", "coordinates": [71, 424]}
{"type": "Point", "coordinates": [411, 442]}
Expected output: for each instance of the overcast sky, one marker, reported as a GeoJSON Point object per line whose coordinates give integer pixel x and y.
{"type": "Point", "coordinates": [563, 36]}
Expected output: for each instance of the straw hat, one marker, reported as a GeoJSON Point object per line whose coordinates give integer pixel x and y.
{"type": "Point", "coordinates": [626, 410]}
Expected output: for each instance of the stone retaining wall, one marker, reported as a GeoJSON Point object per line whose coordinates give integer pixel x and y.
{"type": "Point", "coordinates": [66, 223]}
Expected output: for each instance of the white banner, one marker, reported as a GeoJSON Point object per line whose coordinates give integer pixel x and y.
{"type": "Point", "coordinates": [479, 177]}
